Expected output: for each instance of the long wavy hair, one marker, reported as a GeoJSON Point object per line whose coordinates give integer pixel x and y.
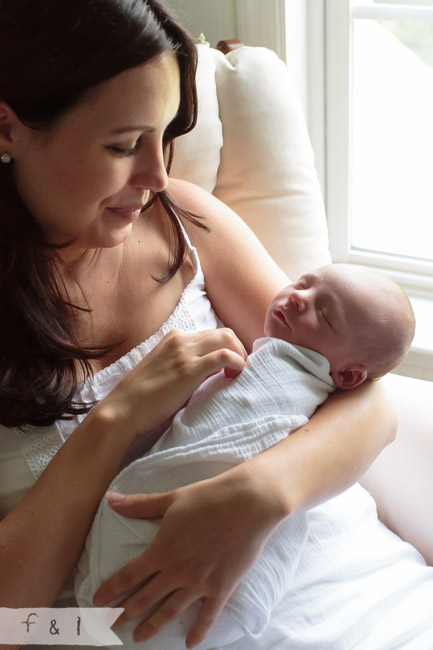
{"type": "Point", "coordinates": [51, 53]}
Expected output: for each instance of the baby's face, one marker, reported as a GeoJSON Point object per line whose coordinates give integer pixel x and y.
{"type": "Point", "coordinates": [322, 311]}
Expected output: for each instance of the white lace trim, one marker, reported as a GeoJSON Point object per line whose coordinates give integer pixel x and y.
{"type": "Point", "coordinates": [39, 445]}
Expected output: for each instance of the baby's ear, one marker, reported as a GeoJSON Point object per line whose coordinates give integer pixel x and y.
{"type": "Point", "coordinates": [349, 377]}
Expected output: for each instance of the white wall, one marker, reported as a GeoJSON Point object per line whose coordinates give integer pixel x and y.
{"type": "Point", "coordinates": [216, 19]}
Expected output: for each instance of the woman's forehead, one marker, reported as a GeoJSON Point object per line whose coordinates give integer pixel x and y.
{"type": "Point", "coordinates": [139, 98]}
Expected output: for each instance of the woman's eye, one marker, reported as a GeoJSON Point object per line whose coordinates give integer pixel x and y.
{"type": "Point", "coordinates": [125, 152]}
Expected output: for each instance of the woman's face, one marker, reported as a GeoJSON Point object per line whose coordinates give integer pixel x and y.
{"type": "Point", "coordinates": [89, 176]}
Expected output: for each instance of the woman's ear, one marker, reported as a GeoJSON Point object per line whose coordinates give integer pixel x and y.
{"type": "Point", "coordinates": [349, 377]}
{"type": "Point", "coordinates": [8, 123]}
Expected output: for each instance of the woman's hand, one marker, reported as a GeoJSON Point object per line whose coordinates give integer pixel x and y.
{"type": "Point", "coordinates": [210, 536]}
{"type": "Point", "coordinates": [166, 378]}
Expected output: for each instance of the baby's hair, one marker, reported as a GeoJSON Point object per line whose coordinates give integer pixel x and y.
{"type": "Point", "coordinates": [394, 330]}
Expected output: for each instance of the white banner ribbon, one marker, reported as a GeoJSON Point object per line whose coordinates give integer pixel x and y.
{"type": "Point", "coordinates": [59, 626]}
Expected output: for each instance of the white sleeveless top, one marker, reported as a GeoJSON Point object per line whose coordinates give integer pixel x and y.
{"type": "Point", "coordinates": [25, 452]}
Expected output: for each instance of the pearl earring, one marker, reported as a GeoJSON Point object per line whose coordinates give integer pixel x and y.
{"type": "Point", "coordinates": [5, 158]}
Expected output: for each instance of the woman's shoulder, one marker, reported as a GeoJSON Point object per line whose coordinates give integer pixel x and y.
{"type": "Point", "coordinates": [227, 235]}
{"type": "Point", "coordinates": [225, 228]}
{"type": "Point", "coordinates": [199, 201]}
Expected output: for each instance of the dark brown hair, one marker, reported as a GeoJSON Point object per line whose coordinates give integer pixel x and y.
{"type": "Point", "coordinates": [51, 53]}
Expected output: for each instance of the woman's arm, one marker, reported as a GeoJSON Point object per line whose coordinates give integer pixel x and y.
{"type": "Point", "coordinates": [42, 536]}
{"type": "Point", "coordinates": [331, 452]}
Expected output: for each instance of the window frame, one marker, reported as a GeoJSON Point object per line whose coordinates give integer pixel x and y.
{"type": "Point", "coordinates": [335, 138]}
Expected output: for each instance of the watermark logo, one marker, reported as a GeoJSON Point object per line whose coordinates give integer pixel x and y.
{"type": "Point", "coordinates": [59, 626]}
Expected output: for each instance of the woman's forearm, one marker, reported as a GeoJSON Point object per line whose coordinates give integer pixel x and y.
{"type": "Point", "coordinates": [41, 538]}
{"type": "Point", "coordinates": [328, 454]}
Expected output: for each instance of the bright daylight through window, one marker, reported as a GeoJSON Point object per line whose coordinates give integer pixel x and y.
{"type": "Point", "coordinates": [392, 200]}
{"type": "Point", "coordinates": [389, 136]}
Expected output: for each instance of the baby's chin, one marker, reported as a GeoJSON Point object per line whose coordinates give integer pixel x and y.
{"type": "Point", "coordinates": [276, 333]}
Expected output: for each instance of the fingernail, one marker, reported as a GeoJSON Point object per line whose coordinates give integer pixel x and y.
{"type": "Point", "coordinates": [139, 637]}
{"type": "Point", "coordinates": [115, 497]}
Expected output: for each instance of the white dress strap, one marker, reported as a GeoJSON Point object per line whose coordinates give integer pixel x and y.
{"type": "Point", "coordinates": [185, 234]}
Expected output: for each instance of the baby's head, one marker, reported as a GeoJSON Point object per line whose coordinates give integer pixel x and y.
{"type": "Point", "coordinates": [360, 320]}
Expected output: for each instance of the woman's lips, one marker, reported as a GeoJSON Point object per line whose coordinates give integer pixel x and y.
{"type": "Point", "coordinates": [129, 213]}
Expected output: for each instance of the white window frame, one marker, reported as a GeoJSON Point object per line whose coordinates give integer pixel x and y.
{"type": "Point", "coordinates": [417, 278]}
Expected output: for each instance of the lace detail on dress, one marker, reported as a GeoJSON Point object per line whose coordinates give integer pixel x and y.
{"type": "Point", "coordinates": [38, 445]}
{"type": "Point", "coordinates": [180, 319]}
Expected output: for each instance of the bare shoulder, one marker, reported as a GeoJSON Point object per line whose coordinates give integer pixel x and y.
{"type": "Point", "coordinates": [241, 277]}
{"type": "Point", "coordinates": [200, 202]}
{"type": "Point", "coordinates": [227, 231]}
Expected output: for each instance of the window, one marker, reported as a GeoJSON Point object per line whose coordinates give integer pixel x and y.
{"type": "Point", "coordinates": [379, 136]}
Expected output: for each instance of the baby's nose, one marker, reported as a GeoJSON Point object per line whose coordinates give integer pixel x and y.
{"type": "Point", "coordinates": [297, 301]}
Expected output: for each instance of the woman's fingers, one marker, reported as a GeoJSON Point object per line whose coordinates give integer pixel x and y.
{"type": "Point", "coordinates": [171, 609]}
{"type": "Point", "coordinates": [210, 535]}
{"type": "Point", "coordinates": [138, 571]}
{"type": "Point", "coordinates": [141, 506]}
{"type": "Point", "coordinates": [209, 612]}
{"type": "Point", "coordinates": [166, 378]}
{"type": "Point", "coordinates": [212, 349]}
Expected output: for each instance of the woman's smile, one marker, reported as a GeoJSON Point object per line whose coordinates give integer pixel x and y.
{"type": "Point", "coordinates": [128, 214]}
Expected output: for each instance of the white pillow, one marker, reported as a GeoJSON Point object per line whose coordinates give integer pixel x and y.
{"type": "Point", "coordinates": [197, 154]}
{"type": "Point", "coordinates": [266, 172]}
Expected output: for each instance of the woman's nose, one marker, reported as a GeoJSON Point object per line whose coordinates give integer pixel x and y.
{"type": "Point", "coordinates": [149, 172]}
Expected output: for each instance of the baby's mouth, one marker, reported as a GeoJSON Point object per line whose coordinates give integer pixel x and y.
{"type": "Point", "coordinates": [282, 317]}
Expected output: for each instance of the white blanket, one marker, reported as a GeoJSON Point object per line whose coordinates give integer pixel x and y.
{"type": "Point", "coordinates": [225, 422]}
{"type": "Point", "coordinates": [357, 587]}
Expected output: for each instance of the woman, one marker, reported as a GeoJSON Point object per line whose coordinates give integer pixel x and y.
{"type": "Point", "coordinates": [96, 280]}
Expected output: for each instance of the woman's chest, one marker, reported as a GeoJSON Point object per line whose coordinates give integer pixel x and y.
{"type": "Point", "coordinates": [130, 312]}
{"type": "Point", "coordinates": [125, 302]}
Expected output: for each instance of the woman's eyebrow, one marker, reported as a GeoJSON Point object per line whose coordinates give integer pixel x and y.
{"type": "Point", "coordinates": [129, 129]}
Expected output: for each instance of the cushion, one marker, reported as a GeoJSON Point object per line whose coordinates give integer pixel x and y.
{"type": "Point", "coordinates": [197, 154]}
{"type": "Point", "coordinates": [266, 166]}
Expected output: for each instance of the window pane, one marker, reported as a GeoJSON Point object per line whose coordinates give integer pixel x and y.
{"type": "Point", "coordinates": [411, 3]}
{"type": "Point", "coordinates": [392, 139]}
